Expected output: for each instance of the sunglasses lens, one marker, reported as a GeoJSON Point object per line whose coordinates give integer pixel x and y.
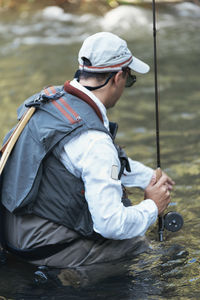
{"type": "Point", "coordinates": [131, 79]}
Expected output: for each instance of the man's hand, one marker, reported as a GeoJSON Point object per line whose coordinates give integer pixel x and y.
{"type": "Point", "coordinates": [159, 191]}
{"type": "Point", "coordinates": [169, 182]}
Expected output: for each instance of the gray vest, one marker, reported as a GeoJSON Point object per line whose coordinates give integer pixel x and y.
{"type": "Point", "coordinates": [34, 179]}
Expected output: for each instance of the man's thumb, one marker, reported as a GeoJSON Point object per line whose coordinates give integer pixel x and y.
{"type": "Point", "coordinates": [153, 180]}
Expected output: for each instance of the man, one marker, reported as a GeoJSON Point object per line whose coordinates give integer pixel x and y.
{"type": "Point", "coordinates": [63, 185]}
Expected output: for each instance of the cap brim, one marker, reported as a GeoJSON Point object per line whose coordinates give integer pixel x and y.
{"type": "Point", "coordinates": [139, 66]}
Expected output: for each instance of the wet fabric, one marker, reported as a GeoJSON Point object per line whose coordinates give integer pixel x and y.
{"type": "Point", "coordinates": [82, 252]}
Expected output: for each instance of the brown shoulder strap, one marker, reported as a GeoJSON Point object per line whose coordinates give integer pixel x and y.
{"type": "Point", "coordinates": [6, 143]}
{"type": "Point", "coordinates": [8, 146]}
{"type": "Point", "coordinates": [75, 92]}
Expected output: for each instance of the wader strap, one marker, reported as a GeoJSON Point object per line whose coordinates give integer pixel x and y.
{"type": "Point", "coordinates": [38, 252]}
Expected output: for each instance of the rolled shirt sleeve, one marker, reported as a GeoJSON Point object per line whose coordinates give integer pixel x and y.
{"type": "Point", "coordinates": [91, 156]}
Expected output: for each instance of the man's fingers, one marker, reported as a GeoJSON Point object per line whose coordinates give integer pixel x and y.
{"type": "Point", "coordinates": [153, 180]}
{"type": "Point", "coordinates": [170, 187]}
{"type": "Point", "coordinates": [165, 190]}
{"type": "Point", "coordinates": [163, 180]}
{"type": "Point", "coordinates": [170, 181]}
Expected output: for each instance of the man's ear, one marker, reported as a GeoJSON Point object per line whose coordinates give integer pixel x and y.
{"type": "Point", "coordinates": [118, 77]}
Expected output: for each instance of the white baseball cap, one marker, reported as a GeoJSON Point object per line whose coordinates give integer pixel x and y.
{"type": "Point", "coordinates": [108, 53]}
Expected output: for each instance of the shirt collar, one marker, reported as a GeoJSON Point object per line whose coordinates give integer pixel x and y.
{"type": "Point", "coordinates": [100, 105]}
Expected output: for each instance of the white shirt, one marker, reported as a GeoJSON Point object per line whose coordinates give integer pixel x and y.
{"type": "Point", "coordinates": [91, 156]}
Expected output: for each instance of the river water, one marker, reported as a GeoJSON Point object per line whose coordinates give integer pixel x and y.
{"type": "Point", "coordinates": [39, 47]}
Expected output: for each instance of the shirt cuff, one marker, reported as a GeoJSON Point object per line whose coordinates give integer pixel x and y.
{"type": "Point", "coordinates": [139, 176]}
{"type": "Point", "coordinates": [151, 208]}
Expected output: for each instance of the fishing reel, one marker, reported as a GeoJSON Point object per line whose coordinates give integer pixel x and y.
{"type": "Point", "coordinates": [172, 221]}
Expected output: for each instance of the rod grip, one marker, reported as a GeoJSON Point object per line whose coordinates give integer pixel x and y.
{"type": "Point", "coordinates": [160, 217]}
{"type": "Point", "coordinates": [158, 173]}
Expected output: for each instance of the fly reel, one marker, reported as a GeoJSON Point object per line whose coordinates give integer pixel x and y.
{"type": "Point", "coordinates": [173, 221]}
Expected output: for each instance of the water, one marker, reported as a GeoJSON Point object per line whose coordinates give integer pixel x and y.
{"type": "Point", "coordinates": [39, 47]}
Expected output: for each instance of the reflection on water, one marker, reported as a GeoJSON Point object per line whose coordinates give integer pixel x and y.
{"type": "Point", "coordinates": [159, 273]}
{"type": "Point", "coordinates": [39, 48]}
{"type": "Point", "coordinates": [136, 275]}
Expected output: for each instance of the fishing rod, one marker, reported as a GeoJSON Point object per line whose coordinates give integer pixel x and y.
{"type": "Point", "coordinates": [171, 221]}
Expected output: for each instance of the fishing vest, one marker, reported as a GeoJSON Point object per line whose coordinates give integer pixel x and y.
{"type": "Point", "coordinates": [34, 179]}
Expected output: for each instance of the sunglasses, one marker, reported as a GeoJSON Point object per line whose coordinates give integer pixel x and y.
{"type": "Point", "coordinates": [131, 79]}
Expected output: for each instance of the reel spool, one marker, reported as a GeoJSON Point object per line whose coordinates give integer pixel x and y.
{"type": "Point", "coordinates": [173, 221]}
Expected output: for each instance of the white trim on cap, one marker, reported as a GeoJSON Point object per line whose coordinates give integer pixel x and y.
{"type": "Point", "coordinates": [116, 67]}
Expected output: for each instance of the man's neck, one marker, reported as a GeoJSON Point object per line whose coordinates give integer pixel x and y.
{"type": "Point", "coordinates": [102, 94]}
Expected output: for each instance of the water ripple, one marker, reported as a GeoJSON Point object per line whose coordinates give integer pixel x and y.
{"type": "Point", "coordinates": [53, 25]}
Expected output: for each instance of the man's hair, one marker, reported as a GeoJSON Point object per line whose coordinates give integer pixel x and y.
{"type": "Point", "coordinates": [98, 76]}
